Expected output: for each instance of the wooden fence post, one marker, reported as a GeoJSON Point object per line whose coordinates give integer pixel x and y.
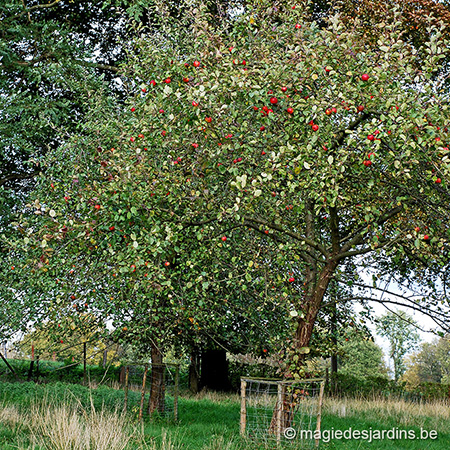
{"type": "Point", "coordinates": [175, 394]}
{"type": "Point", "coordinates": [125, 403]}
{"type": "Point", "coordinates": [9, 366]}
{"type": "Point", "coordinates": [143, 393]}
{"type": "Point", "coordinates": [84, 363]}
{"type": "Point", "coordinates": [243, 407]}
{"type": "Point", "coordinates": [319, 411]}
{"type": "Point", "coordinates": [279, 412]}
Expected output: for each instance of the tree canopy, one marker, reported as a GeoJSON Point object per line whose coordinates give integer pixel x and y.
{"type": "Point", "coordinates": [280, 146]}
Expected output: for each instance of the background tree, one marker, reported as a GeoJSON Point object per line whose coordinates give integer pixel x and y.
{"type": "Point", "coordinates": [360, 357]}
{"type": "Point", "coordinates": [400, 330]}
{"type": "Point", "coordinates": [429, 364]}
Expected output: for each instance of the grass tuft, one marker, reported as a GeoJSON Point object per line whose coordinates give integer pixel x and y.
{"type": "Point", "coordinates": [70, 427]}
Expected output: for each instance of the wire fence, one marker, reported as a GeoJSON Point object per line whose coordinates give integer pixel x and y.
{"type": "Point", "coordinates": [159, 387]}
{"type": "Point", "coordinates": [283, 411]}
{"type": "Point", "coordinates": [76, 367]}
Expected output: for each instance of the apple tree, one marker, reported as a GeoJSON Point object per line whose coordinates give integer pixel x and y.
{"type": "Point", "coordinates": [290, 147]}
{"type": "Point", "coordinates": [335, 149]}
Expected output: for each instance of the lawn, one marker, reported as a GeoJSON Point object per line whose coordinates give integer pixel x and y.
{"type": "Point", "coordinates": [65, 416]}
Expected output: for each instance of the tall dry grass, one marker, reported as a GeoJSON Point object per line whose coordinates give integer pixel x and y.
{"type": "Point", "coordinates": [435, 415]}
{"type": "Point", "coordinates": [69, 427]}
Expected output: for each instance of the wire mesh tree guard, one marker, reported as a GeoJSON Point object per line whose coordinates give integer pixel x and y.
{"type": "Point", "coordinates": [282, 411]}
{"type": "Point", "coordinates": [159, 381]}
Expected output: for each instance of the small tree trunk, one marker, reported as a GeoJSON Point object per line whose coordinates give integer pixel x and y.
{"type": "Point", "coordinates": [305, 326]}
{"type": "Point", "coordinates": [194, 372]}
{"type": "Point", "coordinates": [284, 410]}
{"type": "Point", "coordinates": [157, 386]}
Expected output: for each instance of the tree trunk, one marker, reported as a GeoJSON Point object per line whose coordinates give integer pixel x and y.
{"type": "Point", "coordinates": [333, 325]}
{"type": "Point", "coordinates": [157, 384]}
{"type": "Point", "coordinates": [194, 372]}
{"type": "Point", "coordinates": [312, 305]}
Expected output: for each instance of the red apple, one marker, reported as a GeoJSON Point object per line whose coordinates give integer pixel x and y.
{"type": "Point", "coordinates": [208, 119]}
{"type": "Point", "coordinates": [360, 108]}
{"type": "Point", "coordinates": [291, 280]}
{"type": "Point", "coordinates": [284, 89]}
{"type": "Point", "coordinates": [185, 79]}
{"type": "Point", "coordinates": [426, 237]}
{"type": "Point", "coordinates": [112, 228]}
{"type": "Point", "coordinates": [438, 181]}
{"type": "Point", "coordinates": [167, 263]}
{"type": "Point", "coordinates": [273, 100]}
{"type": "Point", "coordinates": [196, 63]}
{"type": "Point", "coordinates": [224, 238]}
{"type": "Point", "coordinates": [364, 77]}
{"type": "Point", "coordinates": [333, 110]}
{"type": "Point", "coordinates": [262, 128]}
{"type": "Point", "coordinates": [371, 137]}
{"type": "Point", "coordinates": [97, 207]}
{"type": "Point", "coordinates": [417, 229]}
{"type": "Point", "coordinates": [133, 109]}
{"type": "Point", "coordinates": [298, 26]}
{"type": "Point", "coordinates": [315, 127]}
{"type": "Point", "coordinates": [290, 110]}
{"type": "Point", "coordinates": [194, 103]}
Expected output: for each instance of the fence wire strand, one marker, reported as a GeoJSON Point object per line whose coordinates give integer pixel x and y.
{"type": "Point", "coordinates": [284, 411]}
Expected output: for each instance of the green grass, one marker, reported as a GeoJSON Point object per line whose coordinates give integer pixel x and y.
{"type": "Point", "coordinates": [206, 422]}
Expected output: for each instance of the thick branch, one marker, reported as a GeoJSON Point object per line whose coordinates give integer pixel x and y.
{"type": "Point", "coordinates": [24, 176]}
{"type": "Point", "coordinates": [340, 136]}
{"type": "Point", "coordinates": [310, 242]}
{"type": "Point", "coordinates": [442, 322]}
{"type": "Point", "coordinates": [334, 224]}
{"type": "Point", "coordinates": [305, 256]}
{"type": "Point", "coordinates": [45, 56]}
{"type": "Point", "coordinates": [33, 8]}
{"type": "Point", "coordinates": [358, 235]}
{"type": "Point", "coordinates": [97, 65]}
{"type": "Point", "coordinates": [363, 251]}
